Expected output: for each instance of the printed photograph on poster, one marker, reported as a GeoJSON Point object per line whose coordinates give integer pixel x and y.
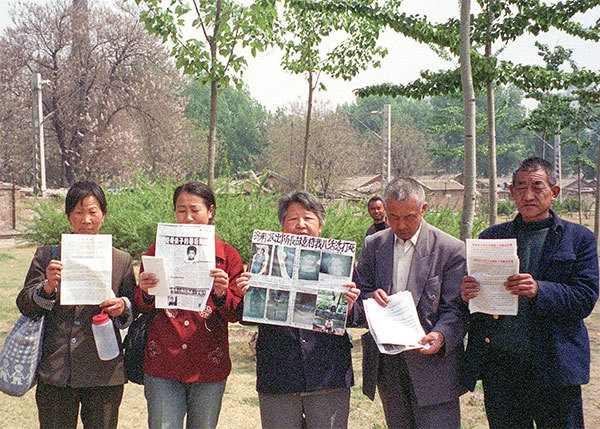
{"type": "Point", "coordinates": [304, 308]}
{"type": "Point", "coordinates": [283, 262]}
{"type": "Point", "coordinates": [299, 281]}
{"type": "Point", "coordinates": [277, 305]}
{"type": "Point", "coordinates": [335, 265]}
{"type": "Point", "coordinates": [254, 303]}
{"type": "Point", "coordinates": [330, 314]}
{"type": "Point", "coordinates": [310, 264]}
{"type": "Point", "coordinates": [261, 256]}
{"type": "Point", "coordinates": [191, 257]}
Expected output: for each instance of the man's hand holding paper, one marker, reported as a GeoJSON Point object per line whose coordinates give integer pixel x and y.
{"type": "Point", "coordinates": [395, 322]}
{"type": "Point", "coordinates": [493, 268]}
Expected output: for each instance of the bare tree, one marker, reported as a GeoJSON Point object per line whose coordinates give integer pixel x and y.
{"type": "Point", "coordinates": [113, 90]}
{"type": "Point", "coordinates": [333, 148]}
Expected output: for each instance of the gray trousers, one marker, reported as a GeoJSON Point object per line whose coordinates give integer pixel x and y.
{"type": "Point", "coordinates": [400, 404]}
{"type": "Point", "coordinates": [320, 409]}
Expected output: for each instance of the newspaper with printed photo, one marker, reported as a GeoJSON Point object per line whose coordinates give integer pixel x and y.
{"type": "Point", "coordinates": [299, 281]}
{"type": "Point", "coordinates": [188, 251]}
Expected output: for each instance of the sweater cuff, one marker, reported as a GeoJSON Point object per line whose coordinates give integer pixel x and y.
{"type": "Point", "coordinates": [148, 299]}
{"type": "Point", "coordinates": [42, 299]}
{"type": "Point", "coordinates": [125, 319]}
{"type": "Point", "coordinates": [218, 301]}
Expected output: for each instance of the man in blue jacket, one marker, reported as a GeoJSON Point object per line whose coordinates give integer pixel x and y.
{"type": "Point", "coordinates": [532, 364]}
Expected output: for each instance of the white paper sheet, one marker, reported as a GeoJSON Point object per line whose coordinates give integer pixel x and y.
{"type": "Point", "coordinates": [395, 327]}
{"type": "Point", "coordinates": [156, 265]}
{"type": "Point", "coordinates": [491, 262]}
{"type": "Point", "coordinates": [86, 278]}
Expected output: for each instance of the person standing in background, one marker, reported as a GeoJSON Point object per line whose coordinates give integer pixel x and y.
{"type": "Point", "coordinates": [376, 210]}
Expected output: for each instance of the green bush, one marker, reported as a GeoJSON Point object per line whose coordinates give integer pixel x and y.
{"type": "Point", "coordinates": [131, 218]}
{"type": "Point", "coordinates": [506, 207]}
{"type": "Point", "coordinates": [133, 213]}
{"type": "Point", "coordinates": [569, 205]}
{"type": "Point", "coordinates": [448, 220]}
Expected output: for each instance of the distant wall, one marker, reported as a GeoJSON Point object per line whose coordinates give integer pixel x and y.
{"type": "Point", "coordinates": [13, 203]}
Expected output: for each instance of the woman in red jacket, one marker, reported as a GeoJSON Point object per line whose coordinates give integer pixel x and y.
{"type": "Point", "coordinates": [186, 361]}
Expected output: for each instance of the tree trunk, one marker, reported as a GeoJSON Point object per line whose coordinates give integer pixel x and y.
{"type": "Point", "coordinates": [212, 126]}
{"type": "Point", "coordinates": [78, 126]}
{"type": "Point", "coordinates": [212, 131]}
{"type": "Point", "coordinates": [597, 202]}
{"type": "Point", "coordinates": [491, 123]}
{"type": "Point", "coordinates": [544, 145]}
{"type": "Point", "coordinates": [307, 132]}
{"type": "Point", "coordinates": [579, 191]}
{"type": "Point", "coordinates": [466, 223]}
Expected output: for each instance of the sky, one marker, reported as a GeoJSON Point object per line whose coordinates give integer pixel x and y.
{"type": "Point", "coordinates": [274, 88]}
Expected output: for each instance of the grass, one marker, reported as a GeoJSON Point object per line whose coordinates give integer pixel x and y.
{"type": "Point", "coordinates": [240, 403]}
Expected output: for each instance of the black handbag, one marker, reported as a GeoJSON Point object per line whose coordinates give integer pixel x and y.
{"type": "Point", "coordinates": [133, 347]}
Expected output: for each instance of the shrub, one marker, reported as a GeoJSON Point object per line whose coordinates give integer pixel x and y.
{"type": "Point", "coordinates": [570, 205]}
{"type": "Point", "coordinates": [448, 220]}
{"type": "Point", "coordinates": [506, 208]}
{"type": "Point", "coordinates": [133, 213]}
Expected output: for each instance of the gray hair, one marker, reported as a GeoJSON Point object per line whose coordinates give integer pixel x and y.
{"type": "Point", "coordinates": [301, 197]}
{"type": "Point", "coordinates": [403, 189]}
{"type": "Point", "coordinates": [535, 164]}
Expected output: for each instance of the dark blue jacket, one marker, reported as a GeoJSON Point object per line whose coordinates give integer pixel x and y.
{"type": "Point", "coordinates": [291, 360]}
{"type": "Point", "coordinates": [567, 292]}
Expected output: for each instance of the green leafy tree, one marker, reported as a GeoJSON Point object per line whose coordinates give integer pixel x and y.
{"type": "Point", "coordinates": [222, 28]}
{"type": "Point", "coordinates": [499, 21]}
{"type": "Point", "coordinates": [241, 124]}
{"type": "Point", "coordinates": [303, 33]}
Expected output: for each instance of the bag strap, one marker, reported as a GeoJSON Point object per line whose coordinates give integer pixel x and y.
{"type": "Point", "coordinates": [54, 251]}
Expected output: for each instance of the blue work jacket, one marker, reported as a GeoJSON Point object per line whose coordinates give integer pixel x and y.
{"type": "Point", "coordinates": [567, 293]}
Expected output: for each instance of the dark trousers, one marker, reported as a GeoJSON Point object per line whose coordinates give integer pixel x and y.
{"type": "Point", "coordinates": [58, 407]}
{"type": "Point", "coordinates": [400, 403]}
{"type": "Point", "coordinates": [513, 399]}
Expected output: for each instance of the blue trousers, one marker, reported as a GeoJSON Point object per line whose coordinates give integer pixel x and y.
{"type": "Point", "coordinates": [170, 400]}
{"type": "Point", "coordinates": [513, 399]}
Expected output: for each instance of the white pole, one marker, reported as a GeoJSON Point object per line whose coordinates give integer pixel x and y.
{"type": "Point", "coordinates": [558, 164]}
{"type": "Point", "coordinates": [39, 181]}
{"type": "Point", "coordinates": [387, 141]}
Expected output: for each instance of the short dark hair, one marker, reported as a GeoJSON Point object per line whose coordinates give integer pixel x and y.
{"type": "Point", "coordinates": [403, 189]}
{"type": "Point", "coordinates": [199, 189]}
{"type": "Point", "coordinates": [81, 190]}
{"type": "Point", "coordinates": [535, 164]}
{"type": "Point", "coordinates": [373, 199]}
{"type": "Point", "coordinates": [191, 248]}
{"type": "Point", "coordinates": [301, 197]}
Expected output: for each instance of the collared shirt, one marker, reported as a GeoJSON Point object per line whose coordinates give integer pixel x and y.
{"type": "Point", "coordinates": [403, 253]}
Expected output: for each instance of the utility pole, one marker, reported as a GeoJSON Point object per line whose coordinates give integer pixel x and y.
{"type": "Point", "coordinates": [39, 157]}
{"type": "Point", "coordinates": [387, 144]}
{"type": "Point", "coordinates": [558, 163]}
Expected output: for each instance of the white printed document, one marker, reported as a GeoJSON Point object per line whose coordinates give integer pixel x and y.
{"type": "Point", "coordinates": [395, 327]}
{"type": "Point", "coordinates": [188, 251]}
{"type": "Point", "coordinates": [491, 262]}
{"type": "Point", "coordinates": [86, 278]}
